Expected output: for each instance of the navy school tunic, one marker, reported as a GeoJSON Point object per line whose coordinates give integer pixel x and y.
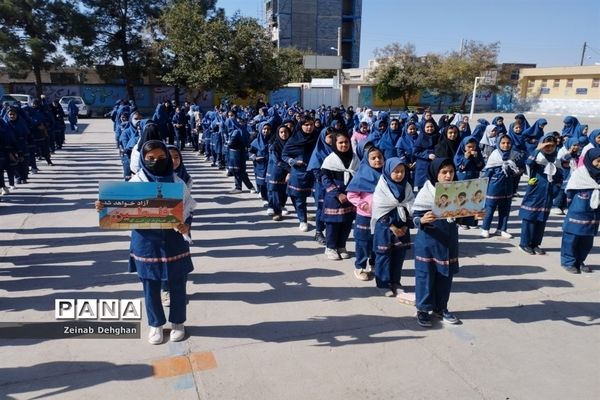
{"type": "Point", "coordinates": [581, 219]}
{"type": "Point", "coordinates": [333, 209]}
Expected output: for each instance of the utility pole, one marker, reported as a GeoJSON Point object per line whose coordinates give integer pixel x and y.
{"type": "Point", "coordinates": [583, 53]}
{"type": "Point", "coordinates": [462, 46]}
{"type": "Point", "coordinates": [339, 53]}
{"type": "Point", "coordinates": [477, 79]}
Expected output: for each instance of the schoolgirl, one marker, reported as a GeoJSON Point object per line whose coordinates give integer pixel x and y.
{"type": "Point", "coordinates": [501, 168]}
{"type": "Point", "coordinates": [17, 128]}
{"type": "Point", "coordinates": [583, 216]}
{"type": "Point", "coordinates": [594, 142]}
{"type": "Point", "coordinates": [162, 254]}
{"type": "Point", "coordinates": [321, 151]}
{"type": "Point", "coordinates": [277, 172]}
{"type": "Point", "coordinates": [150, 131]}
{"type": "Point", "coordinates": [259, 154]}
{"type": "Point", "coordinates": [537, 200]}
{"type": "Point", "coordinates": [448, 144]}
{"type": "Point", "coordinates": [435, 248]}
{"type": "Point", "coordinates": [405, 148]}
{"type": "Point", "coordinates": [487, 144]}
{"type": "Point", "coordinates": [390, 224]}
{"type": "Point", "coordinates": [468, 162]}
{"type": "Point", "coordinates": [359, 135]}
{"type": "Point", "coordinates": [296, 153]}
{"type": "Point", "coordinates": [424, 151]}
{"type": "Point", "coordinates": [390, 138]}
{"type": "Point", "coordinates": [338, 213]}
{"type": "Point", "coordinates": [236, 161]}
{"type": "Point", "coordinates": [360, 194]}
{"type": "Point", "coordinates": [533, 134]}
{"type": "Point", "coordinates": [566, 161]}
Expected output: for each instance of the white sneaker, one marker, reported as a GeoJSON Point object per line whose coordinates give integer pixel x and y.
{"type": "Point", "coordinates": [177, 332]}
{"type": "Point", "coordinates": [265, 203]}
{"type": "Point", "coordinates": [165, 299]}
{"type": "Point", "coordinates": [5, 190]}
{"type": "Point", "coordinates": [506, 235]}
{"type": "Point", "coordinates": [485, 234]}
{"type": "Point", "coordinates": [343, 253]}
{"type": "Point", "coordinates": [11, 188]}
{"type": "Point", "coordinates": [303, 227]}
{"type": "Point", "coordinates": [558, 211]}
{"type": "Point", "coordinates": [155, 336]}
{"type": "Point", "coordinates": [270, 212]}
{"type": "Point", "coordinates": [284, 211]}
{"type": "Point", "coordinates": [332, 254]}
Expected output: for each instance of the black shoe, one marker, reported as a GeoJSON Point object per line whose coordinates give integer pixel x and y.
{"type": "Point", "coordinates": [424, 319]}
{"type": "Point", "coordinates": [572, 270]}
{"type": "Point", "coordinates": [446, 316]}
{"type": "Point", "coordinates": [539, 251]}
{"type": "Point", "coordinates": [319, 238]}
{"type": "Point", "coordinates": [585, 268]}
{"type": "Point", "coordinates": [527, 249]}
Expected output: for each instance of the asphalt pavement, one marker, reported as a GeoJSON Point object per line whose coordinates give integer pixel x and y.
{"type": "Point", "coordinates": [269, 317]}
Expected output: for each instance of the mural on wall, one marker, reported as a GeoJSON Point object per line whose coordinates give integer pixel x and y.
{"type": "Point", "coordinates": [105, 96]}
{"type": "Point", "coordinates": [434, 101]}
{"type": "Point", "coordinates": [52, 92]}
{"type": "Point", "coordinates": [365, 96]}
{"type": "Point", "coordinates": [167, 93]}
{"type": "Point", "coordinates": [484, 99]}
{"type": "Point", "coordinates": [289, 94]}
{"type": "Point", "coordinates": [505, 99]}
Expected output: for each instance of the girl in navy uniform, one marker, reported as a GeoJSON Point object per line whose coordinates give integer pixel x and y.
{"type": "Point", "coordinates": [583, 217]}
{"type": "Point", "coordinates": [236, 161]}
{"type": "Point", "coordinates": [390, 224]}
{"type": "Point", "coordinates": [533, 134]}
{"type": "Point", "coordinates": [537, 200]}
{"type": "Point", "coordinates": [436, 249]}
{"type": "Point", "coordinates": [321, 151]}
{"type": "Point", "coordinates": [501, 169]}
{"type": "Point", "coordinates": [567, 160]}
{"type": "Point", "coordinates": [405, 148]}
{"type": "Point", "coordinates": [469, 162]}
{"type": "Point", "coordinates": [296, 153]}
{"type": "Point", "coordinates": [338, 213]}
{"type": "Point", "coordinates": [259, 154]}
{"type": "Point", "coordinates": [360, 193]}
{"type": "Point", "coordinates": [162, 254]}
{"type": "Point", "coordinates": [277, 172]}
{"type": "Point", "coordinates": [423, 151]}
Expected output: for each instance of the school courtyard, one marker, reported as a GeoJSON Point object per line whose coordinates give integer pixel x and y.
{"type": "Point", "coordinates": [269, 317]}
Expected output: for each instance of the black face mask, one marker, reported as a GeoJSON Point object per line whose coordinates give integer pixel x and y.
{"type": "Point", "coordinates": [157, 167]}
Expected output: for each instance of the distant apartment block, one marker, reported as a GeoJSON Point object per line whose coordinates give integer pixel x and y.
{"type": "Point", "coordinates": [312, 25]}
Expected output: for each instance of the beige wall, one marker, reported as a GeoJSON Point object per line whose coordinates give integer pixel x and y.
{"type": "Point", "coordinates": [540, 83]}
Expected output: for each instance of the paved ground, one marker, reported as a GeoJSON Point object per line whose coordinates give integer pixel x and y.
{"type": "Point", "coordinates": [270, 318]}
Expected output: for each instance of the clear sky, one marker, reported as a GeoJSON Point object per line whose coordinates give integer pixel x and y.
{"type": "Point", "coordinates": [545, 32]}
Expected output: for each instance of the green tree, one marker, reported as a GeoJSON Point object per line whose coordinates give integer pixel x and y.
{"type": "Point", "coordinates": [122, 36]}
{"type": "Point", "coordinates": [400, 71]}
{"type": "Point", "coordinates": [31, 33]}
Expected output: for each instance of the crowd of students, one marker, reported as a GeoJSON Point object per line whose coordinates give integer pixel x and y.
{"type": "Point", "coordinates": [28, 134]}
{"type": "Point", "coordinates": [376, 174]}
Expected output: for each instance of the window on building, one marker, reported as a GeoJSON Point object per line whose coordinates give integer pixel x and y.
{"type": "Point", "coordinates": [544, 82]}
{"type": "Point", "coordinates": [596, 82]}
{"type": "Point", "coordinates": [569, 82]}
{"type": "Point", "coordinates": [530, 83]}
{"type": "Point", "coordinates": [556, 83]}
{"type": "Point", "coordinates": [514, 75]}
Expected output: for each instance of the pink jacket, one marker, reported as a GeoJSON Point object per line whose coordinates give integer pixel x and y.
{"type": "Point", "coordinates": [357, 136]}
{"type": "Point", "coordinates": [359, 199]}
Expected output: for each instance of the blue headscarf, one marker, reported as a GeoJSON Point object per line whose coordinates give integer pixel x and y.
{"type": "Point", "coordinates": [593, 135]}
{"type": "Point", "coordinates": [570, 124]}
{"type": "Point", "coordinates": [460, 152]}
{"type": "Point", "coordinates": [321, 151]}
{"type": "Point", "coordinates": [579, 130]}
{"type": "Point", "coordinates": [366, 177]}
{"type": "Point", "coordinates": [397, 188]}
{"type": "Point", "coordinates": [181, 171]}
{"type": "Point", "coordinates": [300, 146]}
{"type": "Point", "coordinates": [425, 141]}
{"type": "Point", "coordinates": [500, 128]}
{"type": "Point", "coordinates": [552, 156]}
{"type": "Point", "coordinates": [587, 161]}
{"type": "Point", "coordinates": [390, 138]}
{"type": "Point", "coordinates": [376, 134]}
{"type": "Point", "coordinates": [261, 143]}
{"type": "Point", "coordinates": [517, 139]}
{"type": "Point", "coordinates": [480, 128]}
{"type": "Point", "coordinates": [524, 123]}
{"type": "Point", "coordinates": [504, 153]}
{"type": "Point", "coordinates": [535, 131]}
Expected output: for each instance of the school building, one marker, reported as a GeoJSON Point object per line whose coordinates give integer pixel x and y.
{"type": "Point", "coordinates": [562, 90]}
{"type": "Point", "coordinates": [312, 25]}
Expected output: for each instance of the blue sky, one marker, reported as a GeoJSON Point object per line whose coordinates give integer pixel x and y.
{"type": "Point", "coordinates": [545, 32]}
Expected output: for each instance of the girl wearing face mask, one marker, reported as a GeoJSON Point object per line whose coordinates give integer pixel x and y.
{"type": "Point", "coordinates": [338, 213]}
{"type": "Point", "coordinates": [162, 254]}
{"type": "Point", "coordinates": [582, 220]}
{"type": "Point", "coordinates": [501, 169]}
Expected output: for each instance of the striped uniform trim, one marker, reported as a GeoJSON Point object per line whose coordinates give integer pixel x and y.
{"type": "Point", "coordinates": [535, 208]}
{"type": "Point", "coordinates": [277, 182]}
{"type": "Point", "coordinates": [584, 222]}
{"type": "Point", "coordinates": [236, 150]}
{"type": "Point", "coordinates": [161, 259]}
{"type": "Point", "coordinates": [299, 189]}
{"type": "Point", "coordinates": [330, 188]}
{"type": "Point", "coordinates": [338, 211]}
{"type": "Point", "coordinates": [397, 244]}
{"type": "Point", "coordinates": [498, 197]}
{"type": "Point", "coordinates": [365, 227]}
{"type": "Point", "coordinates": [435, 260]}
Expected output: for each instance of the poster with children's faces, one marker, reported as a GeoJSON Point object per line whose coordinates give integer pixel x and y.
{"type": "Point", "coordinates": [460, 198]}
